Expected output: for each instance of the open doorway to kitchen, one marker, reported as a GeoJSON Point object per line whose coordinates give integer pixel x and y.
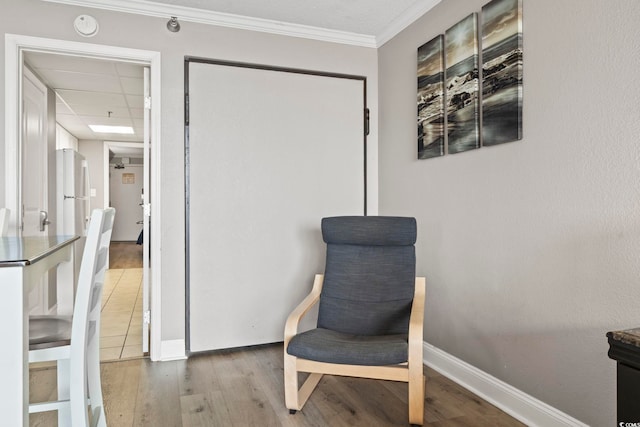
{"type": "Point", "coordinates": [75, 73]}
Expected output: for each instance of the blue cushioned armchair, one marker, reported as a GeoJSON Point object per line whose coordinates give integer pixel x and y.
{"type": "Point", "coordinates": [371, 311]}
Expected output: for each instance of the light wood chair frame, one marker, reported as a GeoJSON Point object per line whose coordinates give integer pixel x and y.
{"type": "Point", "coordinates": [411, 372]}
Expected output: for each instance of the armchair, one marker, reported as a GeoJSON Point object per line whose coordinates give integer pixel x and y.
{"type": "Point", "coordinates": [371, 311]}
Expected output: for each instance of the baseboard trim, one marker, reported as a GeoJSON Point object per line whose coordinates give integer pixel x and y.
{"type": "Point", "coordinates": [509, 399]}
{"type": "Point", "coordinates": [172, 350]}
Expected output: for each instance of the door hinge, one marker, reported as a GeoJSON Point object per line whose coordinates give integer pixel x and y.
{"type": "Point", "coordinates": [147, 102]}
{"type": "Point", "coordinates": [146, 318]}
{"type": "Point", "coordinates": [186, 109]}
{"type": "Point", "coordinates": [146, 209]}
{"type": "Point", "coordinates": [366, 121]}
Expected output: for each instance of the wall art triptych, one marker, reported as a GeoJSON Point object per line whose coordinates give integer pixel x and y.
{"type": "Point", "coordinates": [461, 58]}
{"type": "Point", "coordinates": [449, 83]}
{"type": "Point", "coordinates": [431, 99]}
{"type": "Point", "coordinates": [502, 72]}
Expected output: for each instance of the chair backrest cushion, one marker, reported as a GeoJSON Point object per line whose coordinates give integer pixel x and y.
{"type": "Point", "coordinates": [369, 274]}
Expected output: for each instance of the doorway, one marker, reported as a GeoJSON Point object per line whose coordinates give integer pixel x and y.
{"type": "Point", "coordinates": [16, 47]}
{"type": "Point", "coordinates": [122, 337]}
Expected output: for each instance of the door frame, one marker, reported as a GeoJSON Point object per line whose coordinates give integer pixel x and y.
{"type": "Point", "coordinates": [15, 45]}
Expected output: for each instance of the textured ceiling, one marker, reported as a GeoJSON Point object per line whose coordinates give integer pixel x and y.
{"type": "Point", "coordinates": [369, 17]}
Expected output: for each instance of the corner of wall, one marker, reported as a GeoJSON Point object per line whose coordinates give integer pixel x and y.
{"type": "Point", "coordinates": [509, 399]}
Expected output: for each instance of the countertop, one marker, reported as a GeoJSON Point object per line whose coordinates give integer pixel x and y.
{"type": "Point", "coordinates": [628, 336]}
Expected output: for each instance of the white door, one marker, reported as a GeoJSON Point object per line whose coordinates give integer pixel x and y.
{"type": "Point", "coordinates": [146, 211]}
{"type": "Point", "coordinates": [269, 154]}
{"type": "Point", "coordinates": [35, 210]}
{"type": "Point", "coordinates": [125, 192]}
{"type": "Point", "coordinates": [34, 155]}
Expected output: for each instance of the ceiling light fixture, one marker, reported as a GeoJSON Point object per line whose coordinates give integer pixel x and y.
{"type": "Point", "coordinates": [173, 25]}
{"type": "Point", "coordinates": [124, 130]}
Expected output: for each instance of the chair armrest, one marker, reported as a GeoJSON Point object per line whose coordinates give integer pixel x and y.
{"type": "Point", "coordinates": [416, 321]}
{"type": "Point", "coordinates": [291, 326]}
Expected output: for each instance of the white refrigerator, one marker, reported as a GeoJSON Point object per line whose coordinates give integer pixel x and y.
{"type": "Point", "coordinates": [72, 181]}
{"type": "Point", "coordinates": [72, 205]}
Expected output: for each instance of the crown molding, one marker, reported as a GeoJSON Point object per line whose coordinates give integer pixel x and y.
{"type": "Point", "coordinates": [407, 18]}
{"type": "Point", "coordinates": [187, 14]}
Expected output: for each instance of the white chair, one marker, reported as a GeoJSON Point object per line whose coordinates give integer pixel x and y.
{"type": "Point", "coordinates": [4, 221]}
{"type": "Point", "coordinates": [74, 342]}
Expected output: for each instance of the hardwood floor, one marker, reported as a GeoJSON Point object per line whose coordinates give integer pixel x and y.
{"type": "Point", "coordinates": [244, 388]}
{"type": "Point", "coordinates": [125, 255]}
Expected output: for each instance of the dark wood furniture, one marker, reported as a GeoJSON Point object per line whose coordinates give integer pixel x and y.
{"type": "Point", "coordinates": [624, 347]}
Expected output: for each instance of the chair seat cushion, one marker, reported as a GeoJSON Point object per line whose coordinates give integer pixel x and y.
{"type": "Point", "coordinates": [324, 345]}
{"type": "Point", "coordinates": [49, 331]}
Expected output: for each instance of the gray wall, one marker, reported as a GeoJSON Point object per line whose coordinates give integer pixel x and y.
{"type": "Point", "coordinates": [530, 249]}
{"type": "Point", "coordinates": [42, 19]}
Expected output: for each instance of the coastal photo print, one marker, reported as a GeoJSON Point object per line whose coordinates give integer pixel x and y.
{"type": "Point", "coordinates": [501, 72]}
{"type": "Point", "coordinates": [461, 57]}
{"type": "Point", "coordinates": [431, 99]}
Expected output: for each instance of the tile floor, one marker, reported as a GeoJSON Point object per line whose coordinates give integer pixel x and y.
{"type": "Point", "coordinates": [121, 323]}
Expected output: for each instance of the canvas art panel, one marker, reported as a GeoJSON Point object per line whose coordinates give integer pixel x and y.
{"type": "Point", "coordinates": [501, 72]}
{"type": "Point", "coordinates": [431, 99]}
{"type": "Point", "coordinates": [462, 85]}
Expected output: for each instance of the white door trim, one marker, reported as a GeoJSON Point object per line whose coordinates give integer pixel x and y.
{"type": "Point", "coordinates": [14, 47]}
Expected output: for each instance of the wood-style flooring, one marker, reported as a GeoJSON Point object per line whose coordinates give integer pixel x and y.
{"type": "Point", "coordinates": [244, 388]}
{"type": "Point", "coordinates": [125, 255]}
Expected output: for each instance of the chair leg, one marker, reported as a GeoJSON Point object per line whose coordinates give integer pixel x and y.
{"type": "Point", "coordinates": [290, 383]}
{"type": "Point", "coordinates": [95, 388]}
{"type": "Point", "coordinates": [78, 391]}
{"type": "Point", "coordinates": [416, 398]}
{"type": "Point", "coordinates": [296, 398]}
{"type": "Point", "coordinates": [64, 412]}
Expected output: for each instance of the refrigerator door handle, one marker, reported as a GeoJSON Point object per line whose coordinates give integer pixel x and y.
{"type": "Point", "coordinates": [43, 220]}
{"type": "Point", "coordinates": [86, 195]}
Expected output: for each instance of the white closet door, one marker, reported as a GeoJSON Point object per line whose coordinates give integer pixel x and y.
{"type": "Point", "coordinates": [270, 154]}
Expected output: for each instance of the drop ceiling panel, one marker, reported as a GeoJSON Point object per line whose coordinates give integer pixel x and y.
{"type": "Point", "coordinates": [103, 101]}
{"type": "Point", "coordinates": [88, 89]}
{"type": "Point", "coordinates": [61, 108]}
{"type": "Point", "coordinates": [82, 81]}
{"type": "Point", "coordinates": [49, 61]}
{"type": "Point", "coordinates": [132, 86]}
{"type": "Point", "coordinates": [100, 111]}
{"type": "Point", "coordinates": [135, 101]}
{"type": "Point", "coordinates": [136, 113]}
{"type": "Point", "coordinates": [127, 69]}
